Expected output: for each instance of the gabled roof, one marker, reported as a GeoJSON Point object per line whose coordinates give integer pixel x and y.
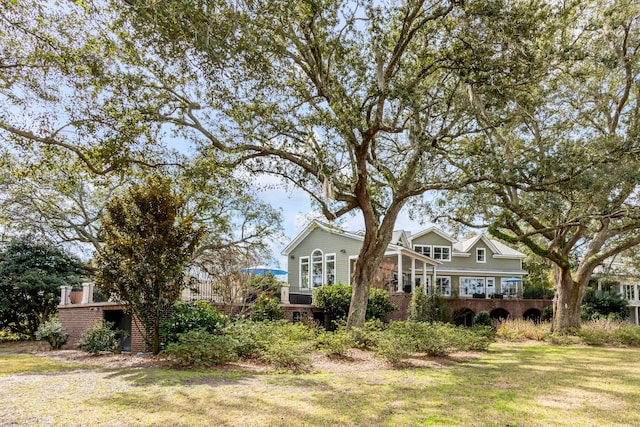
{"type": "Point", "coordinates": [436, 231]}
{"type": "Point", "coordinates": [401, 237]}
{"type": "Point", "coordinates": [466, 245]}
{"type": "Point", "coordinates": [500, 250]}
{"type": "Point", "coordinates": [315, 225]}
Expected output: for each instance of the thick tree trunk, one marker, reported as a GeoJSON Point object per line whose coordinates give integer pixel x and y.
{"type": "Point", "coordinates": [567, 301]}
{"type": "Point", "coordinates": [363, 274]}
{"type": "Point", "coordinates": [375, 243]}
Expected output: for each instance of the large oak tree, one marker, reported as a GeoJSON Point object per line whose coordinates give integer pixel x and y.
{"type": "Point", "coordinates": [564, 154]}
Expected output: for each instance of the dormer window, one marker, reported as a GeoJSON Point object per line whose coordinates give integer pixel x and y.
{"type": "Point", "coordinates": [481, 255]}
{"type": "Point", "coordinates": [442, 253]}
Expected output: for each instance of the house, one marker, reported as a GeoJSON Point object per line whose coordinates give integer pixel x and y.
{"type": "Point", "coordinates": [626, 282]}
{"type": "Point", "coordinates": [477, 267]}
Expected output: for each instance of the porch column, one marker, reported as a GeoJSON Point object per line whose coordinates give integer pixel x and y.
{"type": "Point", "coordinates": [87, 293]}
{"type": "Point", "coordinates": [424, 277]}
{"type": "Point", "coordinates": [433, 281]}
{"type": "Point", "coordinates": [284, 294]}
{"type": "Point", "coordinates": [65, 295]}
{"type": "Point", "coordinates": [400, 284]}
{"type": "Point", "coordinates": [413, 275]}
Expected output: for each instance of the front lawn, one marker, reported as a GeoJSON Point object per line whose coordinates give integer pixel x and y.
{"type": "Point", "coordinates": [515, 384]}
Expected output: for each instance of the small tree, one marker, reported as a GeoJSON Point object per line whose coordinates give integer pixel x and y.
{"type": "Point", "coordinates": [31, 274]}
{"type": "Point", "coordinates": [147, 246]}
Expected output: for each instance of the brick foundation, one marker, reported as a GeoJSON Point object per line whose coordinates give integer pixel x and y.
{"type": "Point", "coordinates": [516, 308]}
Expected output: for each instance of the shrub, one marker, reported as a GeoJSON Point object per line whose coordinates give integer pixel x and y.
{"type": "Point", "coordinates": [9, 336]}
{"type": "Point", "coordinates": [439, 339]}
{"type": "Point", "coordinates": [281, 344]}
{"type": "Point", "coordinates": [419, 307]}
{"type": "Point", "coordinates": [438, 309]}
{"type": "Point", "coordinates": [483, 318]}
{"type": "Point", "coordinates": [379, 304]}
{"type": "Point", "coordinates": [266, 308]}
{"type": "Point", "coordinates": [283, 352]}
{"type": "Point", "coordinates": [593, 336]}
{"type": "Point", "coordinates": [520, 329]}
{"type": "Point", "coordinates": [367, 337]}
{"type": "Point", "coordinates": [191, 316]}
{"type": "Point", "coordinates": [627, 334]}
{"type": "Point", "coordinates": [101, 337]}
{"type": "Point", "coordinates": [53, 333]}
{"type": "Point", "coordinates": [393, 347]}
{"type": "Point", "coordinates": [336, 343]}
{"type": "Point", "coordinates": [200, 348]}
{"type": "Point", "coordinates": [596, 305]}
{"type": "Point", "coordinates": [250, 336]}
{"type": "Point", "coordinates": [334, 300]}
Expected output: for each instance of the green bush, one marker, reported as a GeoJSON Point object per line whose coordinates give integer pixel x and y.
{"type": "Point", "coordinates": [9, 336]}
{"type": "Point", "coordinates": [250, 336]}
{"type": "Point", "coordinates": [593, 337]}
{"type": "Point", "coordinates": [334, 300]}
{"type": "Point", "coordinates": [432, 308]}
{"type": "Point", "coordinates": [53, 333]}
{"type": "Point", "coordinates": [367, 337]}
{"type": "Point", "coordinates": [483, 318]}
{"type": "Point", "coordinates": [393, 347]}
{"type": "Point", "coordinates": [419, 307]}
{"type": "Point", "coordinates": [200, 348]}
{"type": "Point", "coordinates": [597, 305]}
{"type": "Point", "coordinates": [336, 343]}
{"type": "Point", "coordinates": [627, 334]}
{"type": "Point", "coordinates": [281, 344]}
{"type": "Point", "coordinates": [266, 308]}
{"type": "Point", "coordinates": [283, 352]}
{"type": "Point", "coordinates": [379, 304]}
{"type": "Point", "coordinates": [191, 316]}
{"type": "Point", "coordinates": [101, 337]}
{"type": "Point", "coordinates": [439, 339]}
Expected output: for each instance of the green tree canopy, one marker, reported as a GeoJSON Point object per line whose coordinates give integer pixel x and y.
{"type": "Point", "coordinates": [31, 274]}
{"type": "Point", "coordinates": [147, 245]}
{"type": "Point", "coordinates": [564, 153]}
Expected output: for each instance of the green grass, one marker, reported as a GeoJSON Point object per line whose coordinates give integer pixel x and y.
{"type": "Point", "coordinates": [512, 384]}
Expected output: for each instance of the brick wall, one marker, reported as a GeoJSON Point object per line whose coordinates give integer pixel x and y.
{"type": "Point", "coordinates": [77, 318]}
{"type": "Point", "coordinates": [514, 307]}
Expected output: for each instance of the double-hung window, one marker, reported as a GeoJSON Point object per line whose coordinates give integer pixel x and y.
{"type": "Point", "coordinates": [442, 253]}
{"type": "Point", "coordinates": [423, 249]}
{"type": "Point", "coordinates": [481, 255]}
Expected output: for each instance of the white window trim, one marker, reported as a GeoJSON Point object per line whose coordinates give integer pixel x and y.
{"type": "Point", "coordinates": [326, 270]}
{"type": "Point", "coordinates": [450, 285]}
{"type": "Point", "coordinates": [504, 283]}
{"type": "Point", "coordinates": [311, 264]}
{"type": "Point", "coordinates": [300, 282]}
{"type": "Point", "coordinates": [433, 253]}
{"type": "Point", "coordinates": [484, 284]}
{"type": "Point", "coordinates": [422, 247]}
{"type": "Point", "coordinates": [482, 251]}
